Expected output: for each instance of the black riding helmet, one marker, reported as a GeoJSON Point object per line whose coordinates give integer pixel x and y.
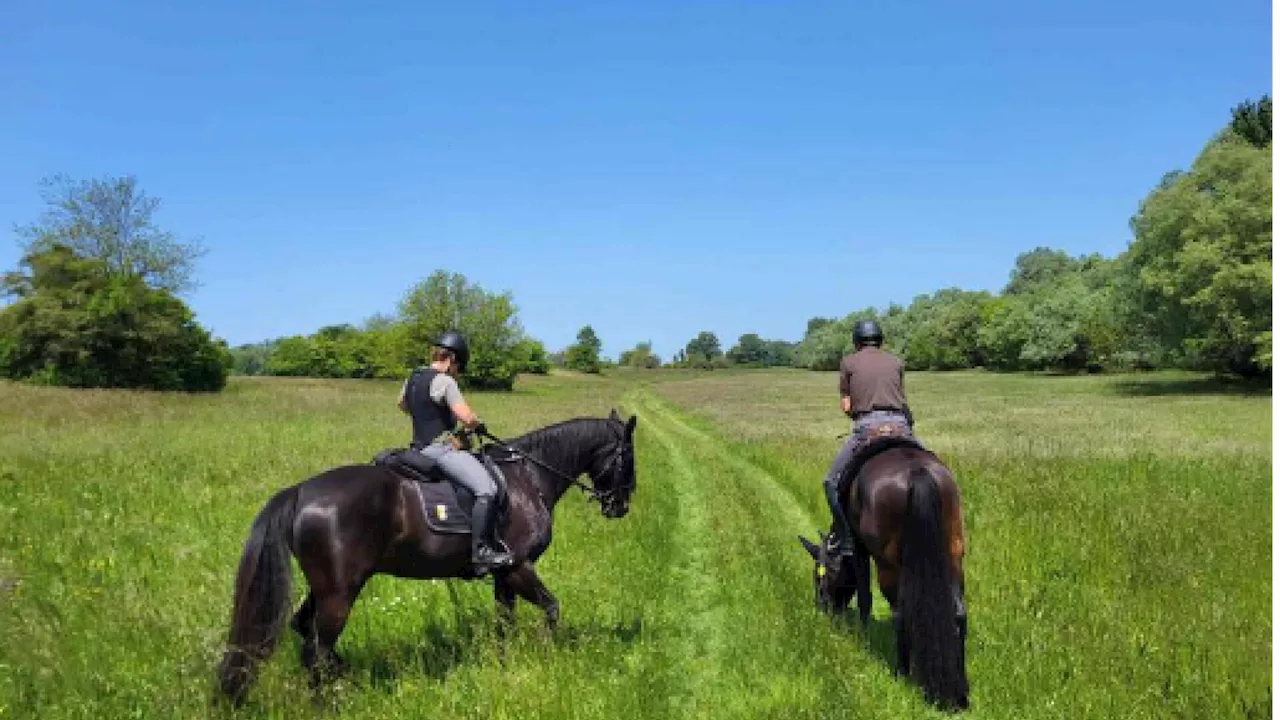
{"type": "Point", "coordinates": [867, 331]}
{"type": "Point", "coordinates": [458, 344]}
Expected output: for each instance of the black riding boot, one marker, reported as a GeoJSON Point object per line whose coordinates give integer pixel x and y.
{"type": "Point", "coordinates": [840, 524]}
{"type": "Point", "coordinates": [484, 551]}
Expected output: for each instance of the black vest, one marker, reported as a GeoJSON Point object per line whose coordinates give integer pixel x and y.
{"type": "Point", "coordinates": [430, 419]}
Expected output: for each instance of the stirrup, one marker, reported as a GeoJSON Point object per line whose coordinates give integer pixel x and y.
{"type": "Point", "coordinates": [488, 559]}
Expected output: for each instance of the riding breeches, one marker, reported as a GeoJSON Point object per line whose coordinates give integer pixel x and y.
{"type": "Point", "coordinates": [463, 468]}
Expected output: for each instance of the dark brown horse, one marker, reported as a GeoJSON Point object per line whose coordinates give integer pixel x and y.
{"type": "Point", "coordinates": [352, 522]}
{"type": "Point", "coordinates": [904, 508]}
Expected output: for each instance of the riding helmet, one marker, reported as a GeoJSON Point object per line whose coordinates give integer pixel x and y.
{"type": "Point", "coordinates": [867, 331]}
{"type": "Point", "coordinates": [454, 341]}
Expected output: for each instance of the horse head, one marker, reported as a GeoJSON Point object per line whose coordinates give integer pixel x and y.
{"type": "Point", "coordinates": [833, 580]}
{"type": "Point", "coordinates": [614, 477]}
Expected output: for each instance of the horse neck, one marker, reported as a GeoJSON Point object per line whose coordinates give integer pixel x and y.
{"type": "Point", "coordinates": [569, 447]}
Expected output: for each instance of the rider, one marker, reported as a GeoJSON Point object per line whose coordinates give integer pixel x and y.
{"type": "Point", "coordinates": [432, 399]}
{"type": "Point", "coordinates": [872, 395]}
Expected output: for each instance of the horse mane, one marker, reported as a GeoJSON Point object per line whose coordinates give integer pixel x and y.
{"type": "Point", "coordinates": [551, 442]}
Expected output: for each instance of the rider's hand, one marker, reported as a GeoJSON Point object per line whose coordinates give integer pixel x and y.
{"type": "Point", "coordinates": [480, 429]}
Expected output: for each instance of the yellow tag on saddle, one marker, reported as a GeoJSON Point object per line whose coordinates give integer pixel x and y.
{"type": "Point", "coordinates": [442, 512]}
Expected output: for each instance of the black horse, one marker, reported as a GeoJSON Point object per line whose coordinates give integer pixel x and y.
{"type": "Point", "coordinates": [905, 511]}
{"type": "Point", "coordinates": [351, 522]}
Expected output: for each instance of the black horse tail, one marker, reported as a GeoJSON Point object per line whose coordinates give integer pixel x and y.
{"type": "Point", "coordinates": [263, 586]}
{"type": "Point", "coordinates": [928, 606]}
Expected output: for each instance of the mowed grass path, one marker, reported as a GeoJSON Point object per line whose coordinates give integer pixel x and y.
{"type": "Point", "coordinates": [1119, 567]}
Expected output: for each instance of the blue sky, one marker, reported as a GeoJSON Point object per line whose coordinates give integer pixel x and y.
{"type": "Point", "coordinates": [653, 169]}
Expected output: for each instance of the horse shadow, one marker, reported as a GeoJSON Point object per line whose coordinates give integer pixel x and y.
{"type": "Point", "coordinates": [623, 632]}
{"type": "Point", "coordinates": [443, 647]}
{"type": "Point", "coordinates": [877, 636]}
{"type": "Point", "coordinates": [434, 653]}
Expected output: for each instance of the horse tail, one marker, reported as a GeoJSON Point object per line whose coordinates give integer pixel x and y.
{"type": "Point", "coordinates": [928, 607]}
{"type": "Point", "coordinates": [263, 586]}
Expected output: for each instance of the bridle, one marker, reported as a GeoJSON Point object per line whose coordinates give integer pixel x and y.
{"type": "Point", "coordinates": [602, 496]}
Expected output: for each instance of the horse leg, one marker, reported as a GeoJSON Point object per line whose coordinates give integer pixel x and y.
{"type": "Point", "coordinates": [505, 597]}
{"type": "Point", "coordinates": [302, 620]}
{"type": "Point", "coordinates": [862, 576]}
{"type": "Point", "coordinates": [525, 581]}
{"type": "Point", "coordinates": [332, 610]}
{"type": "Point", "coordinates": [303, 623]}
{"type": "Point", "coordinates": [888, 578]}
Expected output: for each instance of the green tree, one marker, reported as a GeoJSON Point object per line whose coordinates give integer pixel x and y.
{"type": "Point", "coordinates": [1038, 268]}
{"type": "Point", "coordinates": [584, 355]}
{"type": "Point", "coordinates": [1252, 122]}
{"type": "Point", "coordinates": [111, 220]}
{"type": "Point", "coordinates": [1201, 257]}
{"type": "Point", "coordinates": [74, 323]}
{"type": "Point", "coordinates": [750, 350]}
{"type": "Point", "coordinates": [753, 351]}
{"type": "Point", "coordinates": [641, 356]}
{"type": "Point", "coordinates": [445, 301]}
{"type": "Point", "coordinates": [531, 357]}
{"type": "Point", "coordinates": [252, 358]}
{"type": "Point", "coordinates": [706, 345]}
{"type": "Point", "coordinates": [825, 343]}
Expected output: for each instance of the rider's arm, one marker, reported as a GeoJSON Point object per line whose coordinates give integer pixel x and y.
{"type": "Point", "coordinates": [401, 402]}
{"type": "Point", "coordinates": [461, 410]}
{"type": "Point", "coordinates": [846, 402]}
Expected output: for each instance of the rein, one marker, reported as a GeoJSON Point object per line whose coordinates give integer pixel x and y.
{"type": "Point", "coordinates": [589, 490]}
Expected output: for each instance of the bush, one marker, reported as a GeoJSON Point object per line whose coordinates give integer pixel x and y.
{"type": "Point", "coordinates": [75, 324]}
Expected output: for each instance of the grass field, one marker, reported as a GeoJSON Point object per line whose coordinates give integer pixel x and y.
{"type": "Point", "coordinates": [1119, 553]}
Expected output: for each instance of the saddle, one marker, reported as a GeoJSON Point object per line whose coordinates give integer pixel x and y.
{"type": "Point", "coordinates": [879, 439]}
{"type": "Point", "coordinates": [446, 505]}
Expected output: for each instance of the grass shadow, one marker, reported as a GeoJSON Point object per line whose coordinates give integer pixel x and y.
{"type": "Point", "coordinates": [877, 636]}
{"type": "Point", "coordinates": [1220, 386]}
{"type": "Point", "coordinates": [624, 632]}
{"type": "Point", "coordinates": [435, 653]}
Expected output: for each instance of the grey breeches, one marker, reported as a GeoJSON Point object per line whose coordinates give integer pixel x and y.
{"type": "Point", "coordinates": [463, 468]}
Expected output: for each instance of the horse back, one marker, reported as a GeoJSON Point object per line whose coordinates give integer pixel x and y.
{"type": "Point", "coordinates": [880, 497]}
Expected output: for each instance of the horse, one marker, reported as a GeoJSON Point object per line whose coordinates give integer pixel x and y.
{"type": "Point", "coordinates": [904, 508]}
{"type": "Point", "coordinates": [351, 522]}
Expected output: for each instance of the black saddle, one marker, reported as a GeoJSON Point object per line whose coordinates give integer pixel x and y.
{"type": "Point", "coordinates": [447, 505]}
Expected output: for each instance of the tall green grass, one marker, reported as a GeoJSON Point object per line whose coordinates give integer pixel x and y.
{"type": "Point", "coordinates": [1119, 558]}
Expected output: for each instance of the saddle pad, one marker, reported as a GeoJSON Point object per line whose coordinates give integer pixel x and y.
{"type": "Point", "coordinates": [447, 506]}
{"type": "Point", "coordinates": [448, 511]}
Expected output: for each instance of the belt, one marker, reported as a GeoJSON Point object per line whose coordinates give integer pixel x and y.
{"type": "Point", "coordinates": [874, 410]}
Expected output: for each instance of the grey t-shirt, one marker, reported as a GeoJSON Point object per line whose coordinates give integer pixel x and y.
{"type": "Point", "coordinates": [445, 388]}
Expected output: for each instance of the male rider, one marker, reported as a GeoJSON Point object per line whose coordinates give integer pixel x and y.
{"type": "Point", "coordinates": [872, 394]}
{"type": "Point", "coordinates": [435, 404]}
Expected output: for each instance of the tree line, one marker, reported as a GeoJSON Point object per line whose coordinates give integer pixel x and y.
{"type": "Point", "coordinates": [1192, 290]}
{"type": "Point", "coordinates": [96, 301]}
{"type": "Point", "coordinates": [389, 346]}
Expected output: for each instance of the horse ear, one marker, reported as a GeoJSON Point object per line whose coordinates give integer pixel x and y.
{"type": "Point", "coordinates": [631, 425]}
{"type": "Point", "coordinates": [814, 550]}
{"type": "Point", "coordinates": [613, 414]}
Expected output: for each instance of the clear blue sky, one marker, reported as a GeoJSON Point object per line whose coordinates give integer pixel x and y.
{"type": "Point", "coordinates": [651, 168]}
